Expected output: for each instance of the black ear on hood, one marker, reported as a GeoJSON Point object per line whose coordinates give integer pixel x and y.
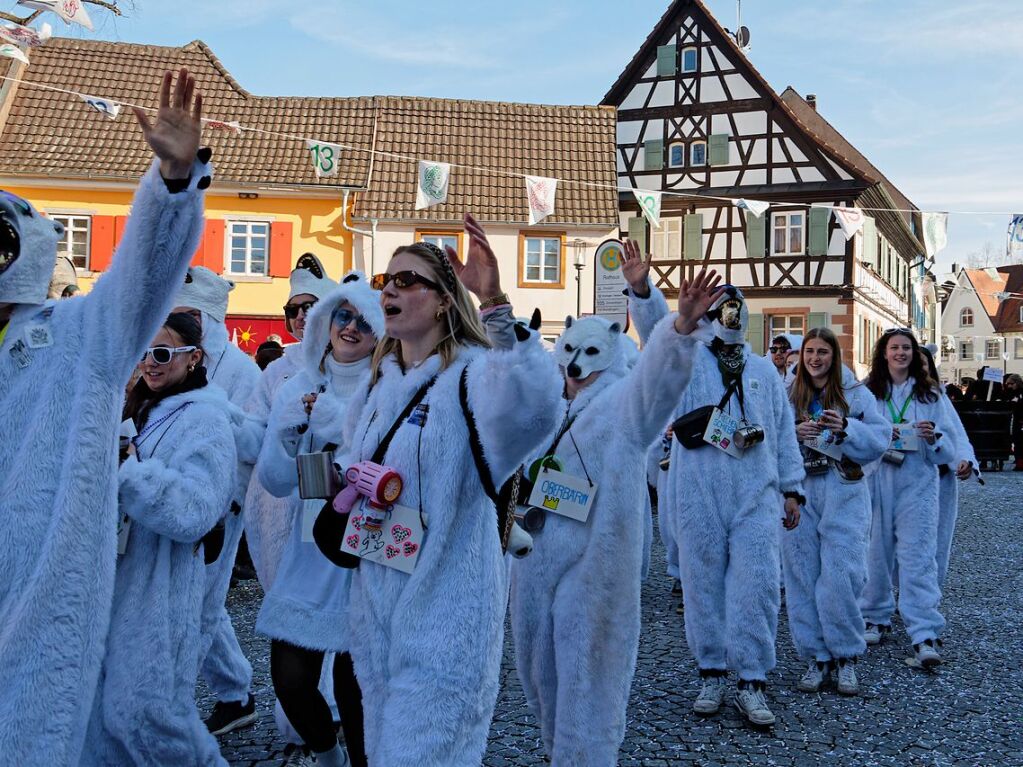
{"type": "Point", "coordinates": [350, 278]}
{"type": "Point", "coordinates": [535, 321]}
{"type": "Point", "coordinates": [615, 328]}
{"type": "Point", "coordinates": [568, 321]}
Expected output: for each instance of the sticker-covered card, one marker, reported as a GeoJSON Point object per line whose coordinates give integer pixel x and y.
{"type": "Point", "coordinates": [392, 537]}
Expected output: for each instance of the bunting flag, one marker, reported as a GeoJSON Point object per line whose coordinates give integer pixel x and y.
{"type": "Point", "coordinates": [850, 219]}
{"type": "Point", "coordinates": [234, 126]}
{"type": "Point", "coordinates": [326, 157]}
{"type": "Point", "coordinates": [109, 108]}
{"type": "Point", "coordinates": [1014, 247]}
{"type": "Point", "coordinates": [72, 11]}
{"type": "Point", "coordinates": [935, 233]}
{"type": "Point", "coordinates": [19, 35]}
{"type": "Point", "coordinates": [756, 207]}
{"type": "Point", "coordinates": [650, 205]}
{"type": "Point", "coordinates": [540, 194]}
{"type": "Point", "coordinates": [13, 52]}
{"type": "Point", "coordinates": [432, 188]}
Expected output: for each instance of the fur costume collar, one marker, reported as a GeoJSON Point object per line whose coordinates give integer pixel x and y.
{"type": "Point", "coordinates": [354, 289]}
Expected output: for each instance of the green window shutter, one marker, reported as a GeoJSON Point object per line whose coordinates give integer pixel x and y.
{"type": "Point", "coordinates": [756, 235]}
{"type": "Point", "coordinates": [820, 218]}
{"type": "Point", "coordinates": [692, 249]}
{"type": "Point", "coordinates": [637, 232]}
{"type": "Point", "coordinates": [666, 60]}
{"type": "Point", "coordinates": [755, 333]}
{"type": "Point", "coordinates": [653, 155]}
{"type": "Point", "coordinates": [869, 235]}
{"type": "Point", "coordinates": [818, 320]}
{"type": "Point", "coordinates": [717, 149]}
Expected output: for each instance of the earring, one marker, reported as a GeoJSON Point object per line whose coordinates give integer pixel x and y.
{"type": "Point", "coordinates": [438, 315]}
{"type": "Point", "coordinates": [191, 368]}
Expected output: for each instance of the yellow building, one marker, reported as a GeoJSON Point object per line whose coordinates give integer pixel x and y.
{"type": "Point", "coordinates": [267, 206]}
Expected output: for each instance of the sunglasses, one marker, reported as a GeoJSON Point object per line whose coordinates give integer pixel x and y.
{"type": "Point", "coordinates": [342, 318]}
{"type": "Point", "coordinates": [291, 310]}
{"type": "Point", "coordinates": [161, 355]}
{"type": "Point", "coordinates": [401, 280]}
{"type": "Point", "coordinates": [778, 349]}
{"type": "Point", "coordinates": [893, 331]}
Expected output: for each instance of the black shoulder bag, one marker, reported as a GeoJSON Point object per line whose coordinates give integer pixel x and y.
{"type": "Point", "coordinates": [690, 428]}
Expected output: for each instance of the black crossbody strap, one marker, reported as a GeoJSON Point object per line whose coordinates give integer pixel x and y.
{"type": "Point", "coordinates": [475, 444]}
{"type": "Point", "coordinates": [381, 451]}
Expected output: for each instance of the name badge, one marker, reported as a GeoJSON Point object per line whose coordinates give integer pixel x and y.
{"type": "Point", "coordinates": [905, 438]}
{"type": "Point", "coordinates": [392, 537]}
{"type": "Point", "coordinates": [825, 443]}
{"type": "Point", "coordinates": [39, 335]}
{"type": "Point", "coordinates": [123, 528]}
{"type": "Point", "coordinates": [719, 433]}
{"type": "Point", "coordinates": [563, 494]}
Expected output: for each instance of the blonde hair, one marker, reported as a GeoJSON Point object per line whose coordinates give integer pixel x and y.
{"type": "Point", "coordinates": [802, 389]}
{"type": "Point", "coordinates": [464, 325]}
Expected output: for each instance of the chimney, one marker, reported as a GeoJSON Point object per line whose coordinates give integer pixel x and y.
{"type": "Point", "coordinates": [811, 100]}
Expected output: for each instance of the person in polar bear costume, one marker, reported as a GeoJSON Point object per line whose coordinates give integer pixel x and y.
{"type": "Point", "coordinates": [63, 371]}
{"type": "Point", "coordinates": [224, 666]}
{"type": "Point", "coordinates": [427, 645]}
{"type": "Point", "coordinates": [727, 508]}
{"type": "Point", "coordinates": [174, 485]}
{"type": "Point", "coordinates": [826, 555]}
{"type": "Point", "coordinates": [575, 601]}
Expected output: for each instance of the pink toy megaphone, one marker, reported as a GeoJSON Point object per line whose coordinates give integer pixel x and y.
{"type": "Point", "coordinates": [381, 485]}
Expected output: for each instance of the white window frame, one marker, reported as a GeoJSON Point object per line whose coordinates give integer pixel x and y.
{"type": "Point", "coordinates": [987, 349]}
{"type": "Point", "coordinates": [789, 329]}
{"type": "Point", "coordinates": [676, 144]}
{"type": "Point", "coordinates": [1018, 348]}
{"type": "Point", "coordinates": [696, 60]}
{"type": "Point", "coordinates": [789, 226]}
{"type": "Point", "coordinates": [963, 313]}
{"type": "Point", "coordinates": [68, 220]}
{"type": "Point", "coordinates": [660, 240]}
{"type": "Point", "coordinates": [1021, 314]}
{"type": "Point", "coordinates": [966, 350]}
{"type": "Point", "coordinates": [230, 234]}
{"type": "Point", "coordinates": [436, 237]}
{"type": "Point", "coordinates": [543, 265]}
{"type": "Point", "coordinates": [692, 153]}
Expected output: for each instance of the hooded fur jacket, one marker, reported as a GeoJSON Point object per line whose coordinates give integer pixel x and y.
{"type": "Point", "coordinates": [575, 601]}
{"type": "Point", "coordinates": [144, 711]}
{"type": "Point", "coordinates": [58, 463]}
{"type": "Point", "coordinates": [427, 646]}
{"type": "Point", "coordinates": [948, 487]}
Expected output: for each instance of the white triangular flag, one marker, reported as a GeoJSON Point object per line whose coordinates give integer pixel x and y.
{"type": "Point", "coordinates": [19, 35]}
{"type": "Point", "coordinates": [1005, 356]}
{"type": "Point", "coordinates": [540, 194]}
{"type": "Point", "coordinates": [756, 207]}
{"type": "Point", "coordinates": [326, 157]}
{"type": "Point", "coordinates": [109, 108]}
{"type": "Point", "coordinates": [13, 52]}
{"type": "Point", "coordinates": [850, 219]}
{"type": "Point", "coordinates": [935, 233]}
{"type": "Point", "coordinates": [649, 205]}
{"type": "Point", "coordinates": [72, 11]}
{"type": "Point", "coordinates": [432, 185]}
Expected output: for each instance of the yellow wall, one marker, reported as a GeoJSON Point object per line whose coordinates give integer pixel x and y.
{"type": "Point", "coordinates": [317, 229]}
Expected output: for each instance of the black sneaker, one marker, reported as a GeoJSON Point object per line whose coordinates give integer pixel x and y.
{"type": "Point", "coordinates": [231, 716]}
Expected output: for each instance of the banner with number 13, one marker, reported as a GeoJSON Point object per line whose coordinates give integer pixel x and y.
{"type": "Point", "coordinates": [325, 157]}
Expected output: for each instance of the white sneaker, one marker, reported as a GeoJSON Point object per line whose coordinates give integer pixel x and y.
{"type": "Point", "coordinates": [813, 679]}
{"type": "Point", "coordinates": [297, 756]}
{"type": "Point", "coordinates": [848, 684]}
{"type": "Point", "coordinates": [927, 655]}
{"type": "Point", "coordinates": [752, 703]}
{"type": "Point", "coordinates": [711, 696]}
{"type": "Point", "coordinates": [875, 633]}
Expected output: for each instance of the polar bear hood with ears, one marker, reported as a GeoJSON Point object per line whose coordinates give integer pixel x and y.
{"type": "Point", "coordinates": [590, 345]}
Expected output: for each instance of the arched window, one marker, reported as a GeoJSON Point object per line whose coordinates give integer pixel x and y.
{"type": "Point", "coordinates": [690, 57]}
{"type": "Point", "coordinates": [677, 155]}
{"type": "Point", "coordinates": [698, 153]}
{"type": "Point", "coordinates": [966, 318]}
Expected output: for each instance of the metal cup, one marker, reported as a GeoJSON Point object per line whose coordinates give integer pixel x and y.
{"type": "Point", "coordinates": [317, 476]}
{"type": "Point", "coordinates": [894, 457]}
{"type": "Point", "coordinates": [748, 436]}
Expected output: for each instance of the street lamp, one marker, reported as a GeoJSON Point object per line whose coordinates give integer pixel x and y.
{"type": "Point", "coordinates": [579, 261]}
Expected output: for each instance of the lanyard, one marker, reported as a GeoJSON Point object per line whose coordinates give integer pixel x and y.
{"type": "Point", "coordinates": [3, 332]}
{"type": "Point", "coordinates": [150, 428]}
{"type": "Point", "coordinates": [900, 417]}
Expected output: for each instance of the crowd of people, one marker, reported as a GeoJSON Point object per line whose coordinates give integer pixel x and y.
{"type": "Point", "coordinates": [414, 468]}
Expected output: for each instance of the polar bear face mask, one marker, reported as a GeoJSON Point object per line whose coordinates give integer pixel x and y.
{"type": "Point", "coordinates": [587, 346]}
{"type": "Point", "coordinates": [28, 251]}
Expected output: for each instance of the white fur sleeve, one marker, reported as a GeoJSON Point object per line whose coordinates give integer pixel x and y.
{"type": "Point", "coordinates": [183, 490]}
{"type": "Point", "coordinates": [945, 447]}
{"type": "Point", "coordinates": [790, 460]}
{"type": "Point", "coordinates": [514, 396]}
{"type": "Point", "coordinates": [654, 387]}
{"type": "Point", "coordinates": [868, 433]}
{"type": "Point", "coordinates": [276, 465]}
{"type": "Point", "coordinates": [647, 312]}
{"type": "Point", "coordinates": [963, 448]}
{"type": "Point", "coordinates": [134, 296]}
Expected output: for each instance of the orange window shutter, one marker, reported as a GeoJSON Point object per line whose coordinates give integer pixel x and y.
{"type": "Point", "coordinates": [280, 248]}
{"type": "Point", "coordinates": [213, 245]}
{"type": "Point", "coordinates": [119, 223]}
{"type": "Point", "coordinates": [101, 243]}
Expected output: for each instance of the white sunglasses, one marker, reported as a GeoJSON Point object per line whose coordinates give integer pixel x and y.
{"type": "Point", "coordinates": [161, 355]}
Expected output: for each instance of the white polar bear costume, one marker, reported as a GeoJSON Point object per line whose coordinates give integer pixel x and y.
{"type": "Point", "coordinates": [948, 486]}
{"type": "Point", "coordinates": [61, 405]}
{"type": "Point", "coordinates": [575, 601]}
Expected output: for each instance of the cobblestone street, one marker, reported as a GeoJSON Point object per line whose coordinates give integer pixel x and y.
{"type": "Point", "coordinates": [968, 714]}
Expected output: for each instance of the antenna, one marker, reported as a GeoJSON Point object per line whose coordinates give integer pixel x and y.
{"type": "Point", "coordinates": [742, 35]}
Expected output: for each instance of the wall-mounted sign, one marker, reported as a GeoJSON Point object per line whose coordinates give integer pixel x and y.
{"type": "Point", "coordinates": [609, 284]}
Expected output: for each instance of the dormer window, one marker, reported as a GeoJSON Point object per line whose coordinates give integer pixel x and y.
{"type": "Point", "coordinates": [677, 155]}
{"type": "Point", "coordinates": [966, 318]}
{"type": "Point", "coordinates": [690, 59]}
{"type": "Point", "coordinates": [698, 153]}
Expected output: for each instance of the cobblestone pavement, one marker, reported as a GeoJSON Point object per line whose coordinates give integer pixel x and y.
{"type": "Point", "coordinates": [968, 714]}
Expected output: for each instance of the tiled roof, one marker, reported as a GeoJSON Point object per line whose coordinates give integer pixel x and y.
{"type": "Point", "coordinates": [571, 143]}
{"type": "Point", "coordinates": [1003, 279]}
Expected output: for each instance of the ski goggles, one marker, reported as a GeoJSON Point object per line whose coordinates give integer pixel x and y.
{"type": "Point", "coordinates": [404, 279]}
{"type": "Point", "coordinates": [161, 355]}
{"type": "Point", "coordinates": [342, 318]}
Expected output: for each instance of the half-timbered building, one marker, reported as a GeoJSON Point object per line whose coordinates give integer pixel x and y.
{"type": "Point", "coordinates": [699, 123]}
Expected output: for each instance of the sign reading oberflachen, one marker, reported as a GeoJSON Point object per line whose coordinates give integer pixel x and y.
{"type": "Point", "coordinates": [609, 284]}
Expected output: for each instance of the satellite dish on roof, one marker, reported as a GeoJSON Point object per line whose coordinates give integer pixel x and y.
{"type": "Point", "coordinates": [742, 37]}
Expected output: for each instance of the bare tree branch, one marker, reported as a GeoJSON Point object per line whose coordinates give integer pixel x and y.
{"type": "Point", "coordinates": [25, 20]}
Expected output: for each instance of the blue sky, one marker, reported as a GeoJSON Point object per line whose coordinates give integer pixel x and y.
{"type": "Point", "coordinates": [927, 89]}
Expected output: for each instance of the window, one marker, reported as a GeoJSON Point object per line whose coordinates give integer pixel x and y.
{"type": "Point", "coordinates": [677, 155]}
{"type": "Point", "coordinates": [666, 242]}
{"type": "Point", "coordinates": [1021, 314]}
{"type": "Point", "coordinates": [442, 239]}
{"type": "Point", "coordinates": [76, 239]}
{"type": "Point", "coordinates": [248, 247]}
{"type": "Point", "coordinates": [786, 323]}
{"type": "Point", "coordinates": [966, 318]}
{"type": "Point", "coordinates": [698, 153]}
{"type": "Point", "coordinates": [1018, 351]}
{"type": "Point", "coordinates": [966, 350]}
{"type": "Point", "coordinates": [946, 354]}
{"type": "Point", "coordinates": [992, 349]}
{"type": "Point", "coordinates": [541, 261]}
{"type": "Point", "coordinates": [690, 57]}
{"type": "Point", "coordinates": [788, 238]}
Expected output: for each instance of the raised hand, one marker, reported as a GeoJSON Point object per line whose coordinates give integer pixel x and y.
{"type": "Point", "coordinates": [695, 299]}
{"type": "Point", "coordinates": [175, 135]}
{"type": "Point", "coordinates": [479, 273]}
{"type": "Point", "coordinates": [636, 269]}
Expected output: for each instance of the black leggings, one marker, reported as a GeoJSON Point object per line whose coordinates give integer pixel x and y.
{"type": "Point", "coordinates": [296, 676]}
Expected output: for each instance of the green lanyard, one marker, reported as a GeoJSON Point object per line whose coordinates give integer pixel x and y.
{"type": "Point", "coordinates": [3, 332]}
{"type": "Point", "coordinates": [900, 418]}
